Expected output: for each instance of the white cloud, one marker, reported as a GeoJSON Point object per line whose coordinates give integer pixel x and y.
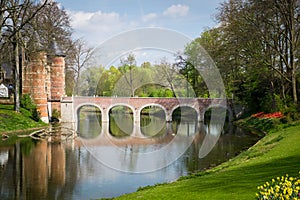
{"type": "Point", "coordinates": [96, 27]}
{"type": "Point", "coordinates": [176, 11]}
{"type": "Point", "coordinates": [149, 17]}
{"type": "Point", "coordinates": [95, 20]}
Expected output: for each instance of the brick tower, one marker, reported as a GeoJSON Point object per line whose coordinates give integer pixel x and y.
{"type": "Point", "coordinates": [34, 76]}
{"type": "Point", "coordinates": [57, 79]}
{"type": "Point", "coordinates": [44, 79]}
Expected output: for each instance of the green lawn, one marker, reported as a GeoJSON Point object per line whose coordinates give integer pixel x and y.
{"type": "Point", "coordinates": [12, 121]}
{"type": "Point", "coordinates": [277, 154]}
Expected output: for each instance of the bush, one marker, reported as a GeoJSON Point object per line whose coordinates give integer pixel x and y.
{"type": "Point", "coordinates": [55, 116]}
{"type": "Point", "coordinates": [27, 103]}
{"type": "Point", "coordinates": [284, 187]}
{"type": "Point", "coordinates": [288, 108]}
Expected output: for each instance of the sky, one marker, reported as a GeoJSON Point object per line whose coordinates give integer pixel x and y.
{"type": "Point", "coordinates": [97, 20]}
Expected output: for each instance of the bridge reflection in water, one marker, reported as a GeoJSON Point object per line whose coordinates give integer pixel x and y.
{"type": "Point", "coordinates": [152, 144]}
{"type": "Point", "coordinates": [121, 129]}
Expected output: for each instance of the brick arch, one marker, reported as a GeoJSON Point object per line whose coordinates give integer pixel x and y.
{"type": "Point", "coordinates": [153, 104]}
{"type": "Point", "coordinates": [78, 107]}
{"type": "Point", "coordinates": [122, 104]}
{"type": "Point", "coordinates": [77, 110]}
{"type": "Point", "coordinates": [185, 105]}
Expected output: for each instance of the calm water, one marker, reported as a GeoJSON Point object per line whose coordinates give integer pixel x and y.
{"type": "Point", "coordinates": [100, 165]}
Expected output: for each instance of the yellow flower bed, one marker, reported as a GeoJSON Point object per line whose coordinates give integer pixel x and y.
{"type": "Point", "coordinates": [281, 188]}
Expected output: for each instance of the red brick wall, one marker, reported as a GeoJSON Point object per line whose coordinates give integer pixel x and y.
{"type": "Point", "coordinates": [34, 81]}
{"type": "Point", "coordinates": [44, 79]}
{"type": "Point", "coordinates": [57, 79]}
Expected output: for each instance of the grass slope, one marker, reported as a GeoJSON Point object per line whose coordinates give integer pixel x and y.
{"type": "Point", "coordinates": [275, 155]}
{"type": "Point", "coordinates": [12, 121]}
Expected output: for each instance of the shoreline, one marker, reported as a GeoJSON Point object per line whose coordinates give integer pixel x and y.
{"type": "Point", "coordinates": [17, 122]}
{"type": "Point", "coordinates": [16, 132]}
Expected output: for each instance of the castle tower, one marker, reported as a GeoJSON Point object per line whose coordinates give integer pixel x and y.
{"type": "Point", "coordinates": [57, 80]}
{"type": "Point", "coordinates": [43, 78]}
{"type": "Point", "coordinates": [34, 76]}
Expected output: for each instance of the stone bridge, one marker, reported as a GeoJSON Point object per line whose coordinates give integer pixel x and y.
{"type": "Point", "coordinates": [70, 106]}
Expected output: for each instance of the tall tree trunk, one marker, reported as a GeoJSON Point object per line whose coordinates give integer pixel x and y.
{"type": "Point", "coordinates": [77, 84]}
{"type": "Point", "coordinates": [17, 76]}
{"type": "Point", "coordinates": [294, 85]}
{"type": "Point", "coordinates": [293, 44]}
{"type": "Point", "coordinates": [131, 82]}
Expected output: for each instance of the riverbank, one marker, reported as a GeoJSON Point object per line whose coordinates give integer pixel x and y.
{"type": "Point", "coordinates": [12, 122]}
{"type": "Point", "coordinates": [276, 154]}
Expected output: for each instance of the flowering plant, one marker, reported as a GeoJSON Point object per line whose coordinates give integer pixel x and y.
{"type": "Point", "coordinates": [268, 115]}
{"type": "Point", "coordinates": [284, 187]}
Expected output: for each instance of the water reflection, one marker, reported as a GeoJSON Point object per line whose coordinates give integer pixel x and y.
{"type": "Point", "coordinates": [120, 125]}
{"type": "Point", "coordinates": [89, 121]}
{"type": "Point", "coordinates": [42, 170]}
{"type": "Point", "coordinates": [153, 122]}
{"type": "Point", "coordinates": [35, 170]}
{"type": "Point", "coordinates": [120, 121]}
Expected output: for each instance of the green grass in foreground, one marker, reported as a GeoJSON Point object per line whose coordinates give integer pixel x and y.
{"type": "Point", "coordinates": [12, 121]}
{"type": "Point", "coordinates": [276, 154]}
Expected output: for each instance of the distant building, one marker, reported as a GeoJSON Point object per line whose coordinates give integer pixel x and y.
{"type": "Point", "coordinates": [6, 74]}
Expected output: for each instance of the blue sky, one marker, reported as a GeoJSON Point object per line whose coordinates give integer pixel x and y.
{"type": "Point", "coordinates": [98, 20]}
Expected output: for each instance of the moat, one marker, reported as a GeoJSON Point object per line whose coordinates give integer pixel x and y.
{"type": "Point", "coordinates": [72, 170]}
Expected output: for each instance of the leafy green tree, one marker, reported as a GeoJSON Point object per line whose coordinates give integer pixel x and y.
{"type": "Point", "coordinates": [89, 81]}
{"type": "Point", "coordinates": [127, 68]}
{"type": "Point", "coordinates": [255, 48]}
{"type": "Point", "coordinates": [107, 81]}
{"type": "Point", "coordinates": [133, 77]}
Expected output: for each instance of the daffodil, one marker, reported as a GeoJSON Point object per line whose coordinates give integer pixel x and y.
{"type": "Point", "coordinates": [283, 187]}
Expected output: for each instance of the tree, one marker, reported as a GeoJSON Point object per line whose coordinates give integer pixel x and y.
{"type": "Point", "coordinates": [262, 42]}
{"type": "Point", "coordinates": [14, 18]}
{"type": "Point", "coordinates": [167, 75]}
{"type": "Point", "coordinates": [107, 81]}
{"type": "Point", "coordinates": [127, 68]}
{"type": "Point", "coordinates": [81, 56]}
{"type": "Point", "coordinates": [53, 25]}
{"type": "Point", "coordinates": [187, 69]}
{"type": "Point", "coordinates": [88, 81]}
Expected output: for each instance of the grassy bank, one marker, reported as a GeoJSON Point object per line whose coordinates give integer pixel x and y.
{"type": "Point", "coordinates": [277, 154]}
{"type": "Point", "coordinates": [11, 121]}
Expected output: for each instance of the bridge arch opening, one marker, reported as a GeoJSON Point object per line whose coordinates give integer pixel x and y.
{"type": "Point", "coordinates": [185, 120]}
{"type": "Point", "coordinates": [153, 120]}
{"type": "Point", "coordinates": [89, 121]}
{"type": "Point", "coordinates": [184, 112]}
{"type": "Point", "coordinates": [220, 110]}
{"type": "Point", "coordinates": [121, 119]}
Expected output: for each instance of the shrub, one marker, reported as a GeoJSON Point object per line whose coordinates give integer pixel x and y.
{"type": "Point", "coordinates": [27, 103]}
{"type": "Point", "coordinates": [55, 116]}
{"type": "Point", "coordinates": [287, 107]}
{"type": "Point", "coordinates": [284, 187]}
